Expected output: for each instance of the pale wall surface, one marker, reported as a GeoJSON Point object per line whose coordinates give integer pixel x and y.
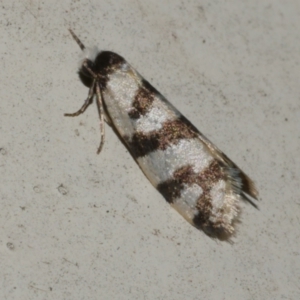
{"type": "Point", "coordinates": [74, 225]}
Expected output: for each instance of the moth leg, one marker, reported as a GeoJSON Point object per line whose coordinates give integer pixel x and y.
{"type": "Point", "coordinates": [107, 119]}
{"type": "Point", "coordinates": [86, 103]}
{"type": "Point", "coordinates": [101, 115]}
{"type": "Point", "coordinates": [88, 69]}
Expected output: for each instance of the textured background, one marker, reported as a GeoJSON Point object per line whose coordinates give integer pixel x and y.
{"type": "Point", "coordinates": [74, 225]}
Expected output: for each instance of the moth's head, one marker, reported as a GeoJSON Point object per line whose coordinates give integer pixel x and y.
{"type": "Point", "coordinates": [86, 61]}
{"type": "Point", "coordinates": [97, 64]}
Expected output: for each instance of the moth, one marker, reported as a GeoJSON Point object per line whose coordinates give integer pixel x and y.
{"type": "Point", "coordinates": [191, 173]}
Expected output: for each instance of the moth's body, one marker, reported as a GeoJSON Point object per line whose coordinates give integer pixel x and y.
{"type": "Point", "coordinates": [193, 175]}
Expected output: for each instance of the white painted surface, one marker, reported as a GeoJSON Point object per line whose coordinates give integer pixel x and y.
{"type": "Point", "coordinates": [74, 225]}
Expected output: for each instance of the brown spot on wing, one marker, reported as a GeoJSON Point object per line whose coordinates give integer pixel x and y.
{"type": "Point", "coordinates": [248, 185]}
{"type": "Point", "coordinates": [142, 103]}
{"type": "Point", "coordinates": [171, 188]}
{"type": "Point", "coordinates": [171, 133]}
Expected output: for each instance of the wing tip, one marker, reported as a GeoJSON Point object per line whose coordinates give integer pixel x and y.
{"type": "Point", "coordinates": [248, 186]}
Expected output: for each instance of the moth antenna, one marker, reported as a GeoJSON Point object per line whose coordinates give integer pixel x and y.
{"type": "Point", "coordinates": [82, 47]}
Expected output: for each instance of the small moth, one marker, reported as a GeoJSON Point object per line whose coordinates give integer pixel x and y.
{"type": "Point", "coordinates": [192, 174]}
